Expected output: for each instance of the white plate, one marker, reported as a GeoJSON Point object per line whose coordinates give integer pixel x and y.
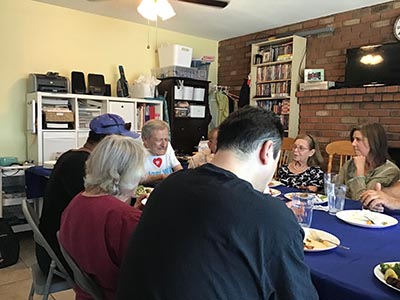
{"type": "Point", "coordinates": [358, 218]}
{"type": "Point", "coordinates": [274, 183]}
{"type": "Point", "coordinates": [378, 274]}
{"type": "Point", "coordinates": [275, 192]}
{"type": "Point", "coordinates": [318, 199]}
{"type": "Point", "coordinates": [318, 246]}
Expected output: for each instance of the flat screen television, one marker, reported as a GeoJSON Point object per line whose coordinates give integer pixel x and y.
{"type": "Point", "coordinates": [373, 65]}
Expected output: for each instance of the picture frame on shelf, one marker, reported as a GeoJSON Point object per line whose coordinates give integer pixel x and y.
{"type": "Point", "coordinates": [314, 75]}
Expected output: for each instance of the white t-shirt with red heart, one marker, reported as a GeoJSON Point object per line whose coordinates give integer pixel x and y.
{"type": "Point", "coordinates": [163, 164]}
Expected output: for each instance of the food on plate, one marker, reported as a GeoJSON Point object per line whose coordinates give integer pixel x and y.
{"type": "Point", "coordinates": [142, 190]}
{"type": "Point", "coordinates": [391, 273]}
{"type": "Point", "coordinates": [303, 195]}
{"type": "Point", "coordinates": [274, 192]}
{"type": "Point", "coordinates": [310, 244]}
{"type": "Point", "coordinates": [393, 282]}
{"type": "Point", "coordinates": [274, 183]}
{"type": "Point", "coordinates": [320, 198]}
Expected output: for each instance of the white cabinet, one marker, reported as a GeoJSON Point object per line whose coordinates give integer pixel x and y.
{"type": "Point", "coordinates": [125, 110]}
{"type": "Point", "coordinates": [58, 122]}
{"type": "Point", "coordinates": [57, 142]}
{"type": "Point", "coordinates": [275, 76]}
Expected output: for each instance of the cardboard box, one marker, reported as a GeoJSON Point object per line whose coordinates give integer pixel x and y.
{"type": "Point", "coordinates": [59, 116]}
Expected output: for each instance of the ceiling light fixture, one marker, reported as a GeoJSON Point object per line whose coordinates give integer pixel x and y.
{"type": "Point", "coordinates": [151, 9]}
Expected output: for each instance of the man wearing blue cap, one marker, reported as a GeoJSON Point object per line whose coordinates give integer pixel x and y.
{"type": "Point", "coordinates": [66, 181]}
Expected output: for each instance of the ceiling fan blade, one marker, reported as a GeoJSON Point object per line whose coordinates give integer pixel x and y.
{"type": "Point", "coordinates": [214, 3]}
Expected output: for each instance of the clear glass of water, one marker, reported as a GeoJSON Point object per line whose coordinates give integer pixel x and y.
{"type": "Point", "coordinates": [302, 207]}
{"type": "Point", "coordinates": [329, 178]}
{"type": "Point", "coordinates": [336, 197]}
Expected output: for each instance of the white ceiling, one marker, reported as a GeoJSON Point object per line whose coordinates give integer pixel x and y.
{"type": "Point", "coordinates": [240, 17]}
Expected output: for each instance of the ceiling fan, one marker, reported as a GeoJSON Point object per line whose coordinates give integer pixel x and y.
{"type": "Point", "coordinates": [213, 3]}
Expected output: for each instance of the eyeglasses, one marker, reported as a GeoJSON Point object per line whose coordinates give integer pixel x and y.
{"type": "Point", "coordinates": [300, 148]}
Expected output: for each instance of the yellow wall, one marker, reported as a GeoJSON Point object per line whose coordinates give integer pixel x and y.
{"type": "Point", "coordinates": [37, 37]}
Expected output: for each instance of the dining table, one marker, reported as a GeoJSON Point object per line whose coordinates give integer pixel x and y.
{"type": "Point", "coordinates": [340, 274]}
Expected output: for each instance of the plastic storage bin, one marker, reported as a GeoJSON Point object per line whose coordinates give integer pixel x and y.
{"type": "Point", "coordinates": [202, 68]}
{"type": "Point", "coordinates": [175, 55]}
{"type": "Point", "coordinates": [176, 71]}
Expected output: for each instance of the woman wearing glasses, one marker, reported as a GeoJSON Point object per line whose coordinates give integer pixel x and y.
{"type": "Point", "coordinates": [303, 171]}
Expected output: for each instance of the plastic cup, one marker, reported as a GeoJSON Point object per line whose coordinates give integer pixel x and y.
{"type": "Point", "coordinates": [336, 197]}
{"type": "Point", "coordinates": [302, 207]}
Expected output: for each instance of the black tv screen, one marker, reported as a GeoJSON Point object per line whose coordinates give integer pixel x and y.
{"type": "Point", "coordinates": [373, 65]}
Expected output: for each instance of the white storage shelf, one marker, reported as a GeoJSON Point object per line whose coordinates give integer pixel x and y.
{"type": "Point", "coordinates": [12, 185]}
{"type": "Point", "coordinates": [48, 143]}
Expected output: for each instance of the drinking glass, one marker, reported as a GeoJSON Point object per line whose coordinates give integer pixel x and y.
{"type": "Point", "coordinates": [302, 207]}
{"type": "Point", "coordinates": [329, 178]}
{"type": "Point", "coordinates": [336, 196]}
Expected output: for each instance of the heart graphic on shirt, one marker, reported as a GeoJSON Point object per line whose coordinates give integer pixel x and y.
{"type": "Point", "coordinates": [157, 162]}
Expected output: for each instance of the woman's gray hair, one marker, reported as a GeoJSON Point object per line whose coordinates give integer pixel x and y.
{"type": "Point", "coordinates": [116, 165]}
{"type": "Point", "coordinates": [152, 125]}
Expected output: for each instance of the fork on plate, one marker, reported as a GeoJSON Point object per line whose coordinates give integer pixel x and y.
{"type": "Point", "coordinates": [317, 238]}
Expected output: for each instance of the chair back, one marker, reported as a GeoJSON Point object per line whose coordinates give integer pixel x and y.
{"type": "Point", "coordinates": [81, 278]}
{"type": "Point", "coordinates": [286, 151]}
{"type": "Point", "coordinates": [343, 149]}
{"type": "Point", "coordinates": [33, 220]}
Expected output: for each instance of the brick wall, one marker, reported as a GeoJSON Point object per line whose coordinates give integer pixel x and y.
{"type": "Point", "coordinates": [329, 114]}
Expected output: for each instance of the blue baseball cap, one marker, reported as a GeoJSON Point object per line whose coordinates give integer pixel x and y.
{"type": "Point", "coordinates": [111, 124]}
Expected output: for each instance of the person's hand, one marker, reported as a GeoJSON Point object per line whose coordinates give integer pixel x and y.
{"type": "Point", "coordinates": [359, 163]}
{"type": "Point", "coordinates": [375, 199]}
{"type": "Point", "coordinates": [138, 203]}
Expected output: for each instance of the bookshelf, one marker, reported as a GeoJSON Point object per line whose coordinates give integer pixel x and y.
{"type": "Point", "coordinates": [58, 122]}
{"type": "Point", "coordinates": [275, 72]}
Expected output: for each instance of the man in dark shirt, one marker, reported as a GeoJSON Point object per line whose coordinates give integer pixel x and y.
{"type": "Point", "coordinates": [210, 232]}
{"type": "Point", "coordinates": [66, 181]}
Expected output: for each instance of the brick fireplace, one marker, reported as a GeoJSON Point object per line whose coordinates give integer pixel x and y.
{"type": "Point", "coordinates": [329, 115]}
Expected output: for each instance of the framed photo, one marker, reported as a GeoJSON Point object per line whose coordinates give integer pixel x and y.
{"type": "Point", "coordinates": [266, 56]}
{"type": "Point", "coordinates": [314, 75]}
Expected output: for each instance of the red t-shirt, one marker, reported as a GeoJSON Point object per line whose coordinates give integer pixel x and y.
{"type": "Point", "coordinates": [95, 232]}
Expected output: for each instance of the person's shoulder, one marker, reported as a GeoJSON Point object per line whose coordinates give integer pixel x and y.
{"type": "Point", "coordinates": [391, 164]}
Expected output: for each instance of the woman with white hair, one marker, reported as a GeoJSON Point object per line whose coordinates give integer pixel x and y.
{"type": "Point", "coordinates": [97, 224]}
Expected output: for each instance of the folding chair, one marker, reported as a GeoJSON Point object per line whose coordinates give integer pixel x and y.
{"type": "Point", "coordinates": [343, 149]}
{"type": "Point", "coordinates": [43, 284]}
{"type": "Point", "coordinates": [81, 278]}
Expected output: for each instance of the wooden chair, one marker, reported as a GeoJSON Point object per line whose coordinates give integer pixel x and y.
{"type": "Point", "coordinates": [286, 151]}
{"type": "Point", "coordinates": [343, 149]}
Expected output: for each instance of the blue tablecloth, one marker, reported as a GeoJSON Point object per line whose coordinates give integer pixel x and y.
{"type": "Point", "coordinates": [348, 274]}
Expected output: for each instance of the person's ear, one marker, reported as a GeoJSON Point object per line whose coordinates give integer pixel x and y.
{"type": "Point", "coordinates": [266, 152]}
{"type": "Point", "coordinates": [312, 152]}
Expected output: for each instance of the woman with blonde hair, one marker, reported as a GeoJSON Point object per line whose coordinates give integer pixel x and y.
{"type": "Point", "coordinates": [304, 170]}
{"type": "Point", "coordinates": [97, 224]}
